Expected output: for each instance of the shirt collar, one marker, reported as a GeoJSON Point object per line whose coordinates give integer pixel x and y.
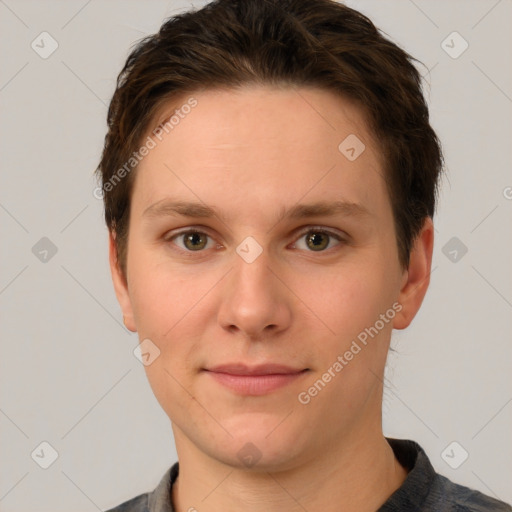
{"type": "Point", "coordinates": [421, 475]}
{"type": "Point", "coordinates": [160, 500]}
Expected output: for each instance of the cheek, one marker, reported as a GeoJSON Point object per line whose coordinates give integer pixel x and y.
{"type": "Point", "coordinates": [158, 294]}
{"type": "Point", "coordinates": [171, 307]}
{"type": "Point", "coordinates": [165, 310]}
{"type": "Point", "coordinates": [350, 299]}
{"type": "Point", "coordinates": [351, 304]}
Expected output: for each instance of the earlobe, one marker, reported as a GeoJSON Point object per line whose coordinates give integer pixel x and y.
{"type": "Point", "coordinates": [416, 277]}
{"type": "Point", "coordinates": [120, 285]}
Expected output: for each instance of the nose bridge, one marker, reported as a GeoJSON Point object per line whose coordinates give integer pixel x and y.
{"type": "Point", "coordinates": [252, 274]}
{"type": "Point", "coordinates": [254, 299]}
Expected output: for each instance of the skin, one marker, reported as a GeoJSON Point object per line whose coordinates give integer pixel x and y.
{"type": "Point", "coordinates": [253, 153]}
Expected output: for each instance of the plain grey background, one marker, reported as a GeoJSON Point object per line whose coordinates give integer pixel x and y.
{"type": "Point", "coordinates": [68, 373]}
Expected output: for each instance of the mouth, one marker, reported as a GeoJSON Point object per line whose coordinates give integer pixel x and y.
{"type": "Point", "coordinates": [255, 380]}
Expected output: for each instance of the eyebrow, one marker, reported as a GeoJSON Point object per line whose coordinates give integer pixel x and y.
{"type": "Point", "coordinates": [169, 207]}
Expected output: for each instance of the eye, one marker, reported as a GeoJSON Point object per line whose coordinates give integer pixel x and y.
{"type": "Point", "coordinates": [192, 240]}
{"type": "Point", "coordinates": [313, 239]}
{"type": "Point", "coordinates": [317, 239]}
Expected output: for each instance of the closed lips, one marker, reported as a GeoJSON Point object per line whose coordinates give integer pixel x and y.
{"type": "Point", "coordinates": [267, 369]}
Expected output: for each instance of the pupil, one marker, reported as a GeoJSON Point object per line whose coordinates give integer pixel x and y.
{"type": "Point", "coordinates": [194, 240]}
{"type": "Point", "coordinates": [316, 240]}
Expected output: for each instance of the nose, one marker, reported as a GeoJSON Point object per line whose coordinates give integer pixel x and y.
{"type": "Point", "coordinates": [255, 303]}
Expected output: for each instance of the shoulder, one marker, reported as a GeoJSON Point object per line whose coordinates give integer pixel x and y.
{"type": "Point", "coordinates": [137, 504]}
{"type": "Point", "coordinates": [447, 496]}
{"type": "Point", "coordinates": [425, 490]}
{"type": "Point", "coordinates": [158, 500]}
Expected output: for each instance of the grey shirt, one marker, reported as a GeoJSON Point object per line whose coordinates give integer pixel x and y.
{"type": "Point", "coordinates": [423, 490]}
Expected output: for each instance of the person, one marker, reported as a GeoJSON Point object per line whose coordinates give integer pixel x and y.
{"type": "Point", "coordinates": [269, 177]}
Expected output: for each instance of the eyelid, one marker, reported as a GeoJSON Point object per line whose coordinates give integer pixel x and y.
{"type": "Point", "coordinates": [331, 232]}
{"type": "Point", "coordinates": [169, 237]}
{"type": "Point", "coordinates": [322, 229]}
{"type": "Point", "coordinates": [188, 229]}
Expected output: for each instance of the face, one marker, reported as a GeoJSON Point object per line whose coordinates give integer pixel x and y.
{"type": "Point", "coordinates": [263, 264]}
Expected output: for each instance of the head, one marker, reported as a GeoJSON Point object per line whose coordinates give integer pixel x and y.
{"type": "Point", "coordinates": [272, 117]}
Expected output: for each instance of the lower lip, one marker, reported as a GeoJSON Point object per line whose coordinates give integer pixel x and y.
{"type": "Point", "coordinates": [255, 385]}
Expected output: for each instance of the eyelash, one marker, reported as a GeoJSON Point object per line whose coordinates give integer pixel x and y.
{"type": "Point", "coordinates": [311, 229]}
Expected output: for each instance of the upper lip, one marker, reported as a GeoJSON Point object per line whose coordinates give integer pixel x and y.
{"type": "Point", "coordinates": [262, 369]}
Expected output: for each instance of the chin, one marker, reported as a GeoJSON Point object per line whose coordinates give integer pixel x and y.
{"type": "Point", "coordinates": [262, 446]}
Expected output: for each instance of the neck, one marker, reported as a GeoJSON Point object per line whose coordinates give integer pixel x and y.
{"type": "Point", "coordinates": [359, 475]}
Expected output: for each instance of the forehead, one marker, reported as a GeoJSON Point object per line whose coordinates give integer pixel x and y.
{"type": "Point", "coordinates": [261, 147]}
{"type": "Point", "coordinates": [254, 113]}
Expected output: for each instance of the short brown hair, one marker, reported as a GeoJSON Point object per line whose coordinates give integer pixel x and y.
{"type": "Point", "coordinates": [319, 43]}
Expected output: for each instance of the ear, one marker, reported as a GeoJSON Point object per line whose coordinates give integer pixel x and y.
{"type": "Point", "coordinates": [416, 277]}
{"type": "Point", "coordinates": [120, 285]}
